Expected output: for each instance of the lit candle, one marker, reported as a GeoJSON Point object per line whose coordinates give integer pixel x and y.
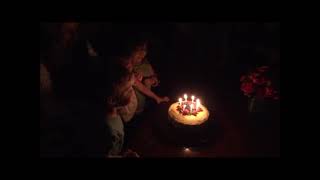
{"type": "Point", "coordinates": [187, 152]}
{"type": "Point", "coordinates": [184, 106]}
{"type": "Point", "coordinates": [185, 97]}
{"type": "Point", "coordinates": [192, 98]}
{"type": "Point", "coordinates": [180, 101]}
{"type": "Point", "coordinates": [197, 104]}
{"type": "Point", "coordinates": [191, 107]}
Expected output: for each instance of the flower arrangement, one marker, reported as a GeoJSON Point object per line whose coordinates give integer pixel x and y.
{"type": "Point", "coordinates": [257, 84]}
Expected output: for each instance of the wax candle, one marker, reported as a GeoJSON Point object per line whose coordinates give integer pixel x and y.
{"type": "Point", "coordinates": [197, 104]}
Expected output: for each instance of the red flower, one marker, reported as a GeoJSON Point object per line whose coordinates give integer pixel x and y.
{"type": "Point", "coordinates": [247, 87]}
{"type": "Point", "coordinates": [255, 80]}
{"type": "Point", "coordinates": [257, 84]}
{"type": "Point", "coordinates": [269, 92]}
{"type": "Point", "coordinates": [253, 76]}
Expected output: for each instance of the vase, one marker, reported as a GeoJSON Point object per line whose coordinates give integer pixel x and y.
{"type": "Point", "coordinates": [257, 105]}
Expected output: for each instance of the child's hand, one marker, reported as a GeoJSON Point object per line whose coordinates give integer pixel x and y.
{"type": "Point", "coordinates": [165, 99]}
{"type": "Point", "coordinates": [162, 99]}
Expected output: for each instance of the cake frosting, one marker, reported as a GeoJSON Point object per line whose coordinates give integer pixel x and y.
{"type": "Point", "coordinates": [189, 119]}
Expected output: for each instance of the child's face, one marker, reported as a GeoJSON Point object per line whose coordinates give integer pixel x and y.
{"type": "Point", "coordinates": [127, 63]}
{"type": "Point", "coordinates": [139, 54]}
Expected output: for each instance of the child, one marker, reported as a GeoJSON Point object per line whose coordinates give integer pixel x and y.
{"type": "Point", "coordinates": [120, 96]}
{"type": "Point", "coordinates": [128, 49]}
{"type": "Point", "coordinates": [146, 75]}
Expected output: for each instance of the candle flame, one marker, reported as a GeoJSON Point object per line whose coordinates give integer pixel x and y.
{"type": "Point", "coordinates": [192, 97]}
{"type": "Point", "coordinates": [180, 99]}
{"type": "Point", "coordinates": [185, 96]}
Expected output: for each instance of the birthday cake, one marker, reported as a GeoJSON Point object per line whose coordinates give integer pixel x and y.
{"type": "Point", "coordinates": [188, 112]}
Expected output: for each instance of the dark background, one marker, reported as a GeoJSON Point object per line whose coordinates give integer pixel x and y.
{"type": "Point", "coordinates": [204, 58]}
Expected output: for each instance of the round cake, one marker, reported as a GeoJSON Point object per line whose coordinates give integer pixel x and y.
{"type": "Point", "coordinates": [189, 124]}
{"type": "Point", "coordinates": [184, 116]}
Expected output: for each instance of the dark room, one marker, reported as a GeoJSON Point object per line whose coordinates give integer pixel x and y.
{"type": "Point", "coordinates": [153, 90]}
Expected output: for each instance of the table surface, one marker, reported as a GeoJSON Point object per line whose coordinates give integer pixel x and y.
{"type": "Point", "coordinates": [235, 135]}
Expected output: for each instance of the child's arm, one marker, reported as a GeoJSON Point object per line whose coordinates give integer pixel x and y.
{"type": "Point", "coordinates": [142, 88]}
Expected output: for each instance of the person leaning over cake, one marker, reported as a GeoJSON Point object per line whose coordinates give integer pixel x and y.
{"type": "Point", "coordinates": [128, 49]}
{"type": "Point", "coordinates": [144, 73]}
{"type": "Point", "coordinates": [145, 78]}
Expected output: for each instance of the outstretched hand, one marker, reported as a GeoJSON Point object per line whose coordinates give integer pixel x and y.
{"type": "Point", "coordinates": [163, 99]}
